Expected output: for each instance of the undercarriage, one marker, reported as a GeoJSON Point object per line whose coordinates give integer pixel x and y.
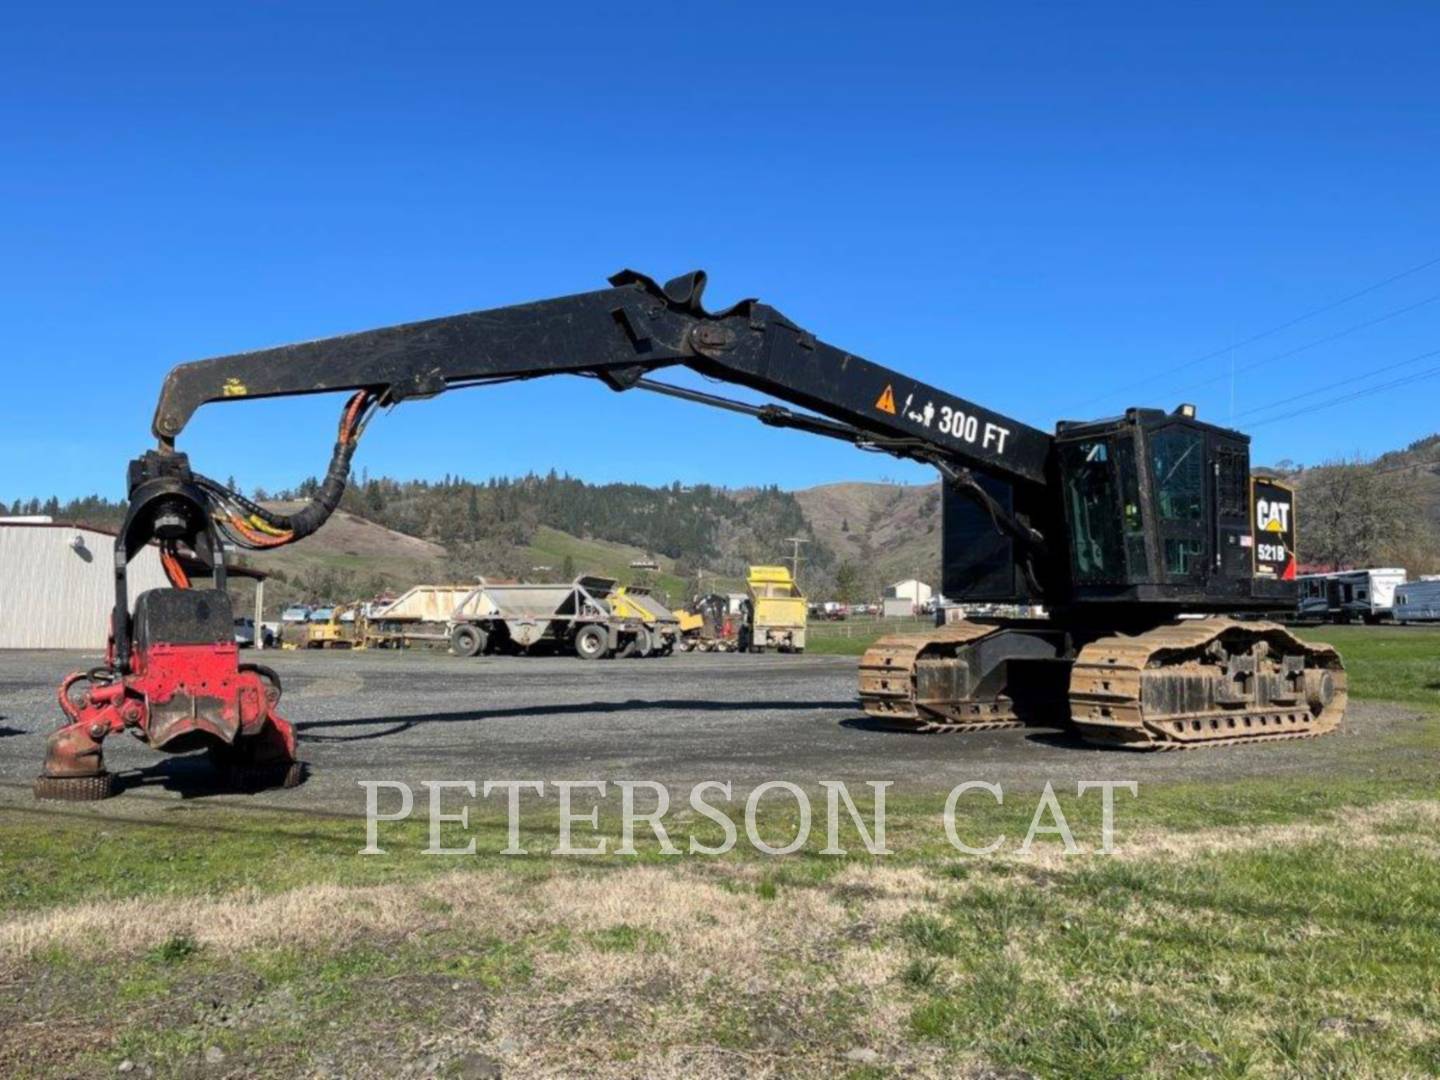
{"type": "Point", "coordinates": [1191, 683]}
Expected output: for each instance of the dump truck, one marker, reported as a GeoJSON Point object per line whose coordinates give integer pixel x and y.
{"type": "Point", "coordinates": [1118, 526]}
{"type": "Point", "coordinates": [520, 618]}
{"type": "Point", "coordinates": [774, 612]}
{"type": "Point", "coordinates": [660, 627]}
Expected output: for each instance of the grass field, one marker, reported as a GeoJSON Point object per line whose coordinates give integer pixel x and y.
{"type": "Point", "coordinates": [1277, 927]}
{"type": "Point", "coordinates": [851, 637]}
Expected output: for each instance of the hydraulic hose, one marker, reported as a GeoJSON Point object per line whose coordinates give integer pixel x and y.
{"type": "Point", "coordinates": [250, 525]}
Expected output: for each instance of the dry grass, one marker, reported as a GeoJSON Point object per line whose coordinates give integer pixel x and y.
{"type": "Point", "coordinates": [712, 969]}
{"type": "Point", "coordinates": [713, 907]}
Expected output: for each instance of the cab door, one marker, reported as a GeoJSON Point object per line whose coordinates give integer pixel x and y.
{"type": "Point", "coordinates": [1182, 492]}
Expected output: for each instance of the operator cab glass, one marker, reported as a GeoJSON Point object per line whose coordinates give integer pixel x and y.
{"type": "Point", "coordinates": [1159, 501]}
{"type": "Point", "coordinates": [1104, 510]}
{"type": "Point", "coordinates": [1093, 507]}
{"type": "Point", "coordinates": [1177, 465]}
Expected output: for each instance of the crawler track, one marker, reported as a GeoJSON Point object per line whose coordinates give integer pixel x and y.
{"type": "Point", "coordinates": [1207, 682]}
{"type": "Point", "coordinates": [903, 683]}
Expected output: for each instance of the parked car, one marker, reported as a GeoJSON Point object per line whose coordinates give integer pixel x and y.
{"type": "Point", "coordinates": [245, 634]}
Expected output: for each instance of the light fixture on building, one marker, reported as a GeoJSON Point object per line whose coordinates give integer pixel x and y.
{"type": "Point", "coordinates": [77, 542]}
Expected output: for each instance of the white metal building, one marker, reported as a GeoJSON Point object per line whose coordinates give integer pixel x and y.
{"type": "Point", "coordinates": [917, 592]}
{"type": "Point", "coordinates": [57, 584]}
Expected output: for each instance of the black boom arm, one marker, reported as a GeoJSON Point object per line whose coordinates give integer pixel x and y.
{"type": "Point", "coordinates": [620, 335]}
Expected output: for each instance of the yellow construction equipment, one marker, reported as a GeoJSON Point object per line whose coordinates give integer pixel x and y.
{"type": "Point", "coordinates": [706, 625]}
{"type": "Point", "coordinates": [337, 632]}
{"type": "Point", "coordinates": [775, 611]}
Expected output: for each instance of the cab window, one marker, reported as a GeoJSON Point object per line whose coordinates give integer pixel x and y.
{"type": "Point", "coordinates": [1093, 506]}
{"type": "Point", "coordinates": [1177, 460]}
{"type": "Point", "coordinates": [1132, 511]}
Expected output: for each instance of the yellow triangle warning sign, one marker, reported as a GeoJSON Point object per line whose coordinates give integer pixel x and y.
{"type": "Point", "coordinates": [886, 401]}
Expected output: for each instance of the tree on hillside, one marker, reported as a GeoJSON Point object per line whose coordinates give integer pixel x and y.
{"type": "Point", "coordinates": [1351, 513]}
{"type": "Point", "coordinates": [848, 583]}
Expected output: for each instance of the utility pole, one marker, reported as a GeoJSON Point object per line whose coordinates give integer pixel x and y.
{"type": "Point", "coordinates": [795, 542]}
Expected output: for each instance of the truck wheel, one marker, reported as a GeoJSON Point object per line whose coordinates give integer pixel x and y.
{"type": "Point", "coordinates": [643, 645]}
{"type": "Point", "coordinates": [466, 640]}
{"type": "Point", "coordinates": [591, 642]}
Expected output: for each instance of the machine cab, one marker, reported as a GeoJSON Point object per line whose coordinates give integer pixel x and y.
{"type": "Point", "coordinates": [1157, 508]}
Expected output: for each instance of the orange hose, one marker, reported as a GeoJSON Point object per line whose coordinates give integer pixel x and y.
{"type": "Point", "coordinates": [256, 537]}
{"type": "Point", "coordinates": [352, 412]}
{"type": "Point", "coordinates": [173, 570]}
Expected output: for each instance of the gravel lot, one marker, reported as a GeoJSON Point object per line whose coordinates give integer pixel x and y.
{"type": "Point", "coordinates": [679, 719]}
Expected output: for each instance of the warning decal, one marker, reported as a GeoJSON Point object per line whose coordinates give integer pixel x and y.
{"type": "Point", "coordinates": [886, 402]}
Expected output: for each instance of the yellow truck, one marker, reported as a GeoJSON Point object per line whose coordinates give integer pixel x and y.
{"type": "Point", "coordinates": [774, 611]}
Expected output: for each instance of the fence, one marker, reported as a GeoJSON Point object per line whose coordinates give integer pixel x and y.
{"type": "Point", "coordinates": [867, 626]}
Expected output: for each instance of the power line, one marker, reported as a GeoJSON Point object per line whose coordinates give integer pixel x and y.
{"type": "Point", "coordinates": [1386, 317]}
{"type": "Point", "coordinates": [1264, 333]}
{"type": "Point", "coordinates": [1428, 373]}
{"type": "Point", "coordinates": [1338, 383]}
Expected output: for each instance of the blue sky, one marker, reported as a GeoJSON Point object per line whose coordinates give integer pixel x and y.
{"type": "Point", "coordinates": [1044, 208]}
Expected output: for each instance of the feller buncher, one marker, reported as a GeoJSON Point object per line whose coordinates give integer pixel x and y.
{"type": "Point", "coordinates": [1117, 526]}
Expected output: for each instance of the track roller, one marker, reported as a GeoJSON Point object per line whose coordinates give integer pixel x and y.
{"type": "Point", "coordinates": [1206, 682]}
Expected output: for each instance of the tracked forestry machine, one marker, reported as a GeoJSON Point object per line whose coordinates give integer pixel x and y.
{"type": "Point", "coordinates": [1143, 536]}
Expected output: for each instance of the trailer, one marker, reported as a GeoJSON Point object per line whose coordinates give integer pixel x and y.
{"type": "Point", "coordinates": [1417, 602]}
{"type": "Point", "coordinates": [420, 615]}
{"type": "Point", "coordinates": [774, 614]}
{"type": "Point", "coordinates": [521, 618]}
{"type": "Point", "coordinates": [660, 627]}
{"type": "Point", "coordinates": [1346, 595]}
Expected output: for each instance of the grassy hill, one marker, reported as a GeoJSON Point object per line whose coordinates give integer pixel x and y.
{"type": "Point", "coordinates": [889, 531]}
{"type": "Point", "coordinates": [552, 548]}
{"type": "Point", "coordinates": [348, 557]}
